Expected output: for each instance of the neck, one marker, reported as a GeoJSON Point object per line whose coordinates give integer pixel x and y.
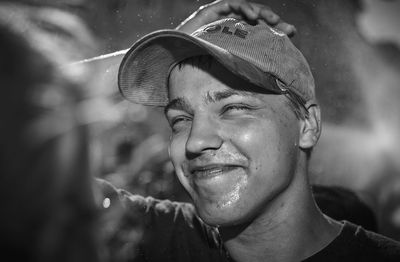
{"type": "Point", "coordinates": [290, 228]}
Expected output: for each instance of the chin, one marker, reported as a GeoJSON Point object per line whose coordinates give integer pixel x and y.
{"type": "Point", "coordinates": [224, 217]}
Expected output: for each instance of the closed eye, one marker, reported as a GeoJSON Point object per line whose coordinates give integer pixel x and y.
{"type": "Point", "coordinates": [236, 107]}
{"type": "Point", "coordinates": [178, 121]}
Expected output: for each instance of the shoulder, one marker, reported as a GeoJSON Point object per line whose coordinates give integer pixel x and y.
{"type": "Point", "coordinates": [139, 205]}
{"type": "Point", "coordinates": [382, 247]}
{"type": "Point", "coordinates": [357, 244]}
{"type": "Point", "coordinates": [368, 245]}
{"type": "Point", "coordinates": [167, 229]}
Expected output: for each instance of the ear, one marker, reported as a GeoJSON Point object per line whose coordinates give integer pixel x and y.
{"type": "Point", "coordinates": [310, 128]}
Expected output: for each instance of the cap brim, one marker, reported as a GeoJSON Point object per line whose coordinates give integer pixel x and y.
{"type": "Point", "coordinates": [144, 70]}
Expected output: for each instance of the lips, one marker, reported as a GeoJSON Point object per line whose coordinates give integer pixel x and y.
{"type": "Point", "coordinates": [209, 171]}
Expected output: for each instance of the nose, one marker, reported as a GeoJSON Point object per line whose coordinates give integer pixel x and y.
{"type": "Point", "coordinates": [204, 136]}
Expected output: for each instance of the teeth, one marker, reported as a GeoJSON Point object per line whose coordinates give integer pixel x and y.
{"type": "Point", "coordinates": [216, 170]}
{"type": "Point", "coordinates": [211, 171]}
{"type": "Point", "coordinates": [208, 171]}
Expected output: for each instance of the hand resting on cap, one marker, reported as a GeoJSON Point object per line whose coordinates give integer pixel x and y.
{"type": "Point", "coordinates": [240, 9]}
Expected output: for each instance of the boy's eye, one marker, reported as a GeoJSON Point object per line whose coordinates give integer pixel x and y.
{"type": "Point", "coordinates": [236, 107]}
{"type": "Point", "coordinates": [178, 121]}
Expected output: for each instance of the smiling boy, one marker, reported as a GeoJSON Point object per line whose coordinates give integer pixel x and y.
{"type": "Point", "coordinates": [240, 100]}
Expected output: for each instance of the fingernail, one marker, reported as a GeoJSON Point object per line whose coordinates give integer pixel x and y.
{"type": "Point", "coordinates": [290, 28]}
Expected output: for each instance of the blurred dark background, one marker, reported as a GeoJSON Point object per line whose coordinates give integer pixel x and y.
{"type": "Point", "coordinates": [353, 48]}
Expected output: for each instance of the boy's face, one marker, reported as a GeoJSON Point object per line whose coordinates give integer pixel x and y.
{"type": "Point", "coordinates": [233, 150]}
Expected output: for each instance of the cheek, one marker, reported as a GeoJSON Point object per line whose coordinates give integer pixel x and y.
{"type": "Point", "coordinates": [257, 141]}
{"type": "Point", "coordinates": [269, 145]}
{"type": "Point", "coordinates": [177, 149]}
{"type": "Point", "coordinates": [177, 156]}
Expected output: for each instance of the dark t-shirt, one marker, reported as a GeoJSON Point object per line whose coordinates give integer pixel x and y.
{"type": "Point", "coordinates": [155, 230]}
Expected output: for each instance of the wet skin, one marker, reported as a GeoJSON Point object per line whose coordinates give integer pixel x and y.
{"type": "Point", "coordinates": [233, 150]}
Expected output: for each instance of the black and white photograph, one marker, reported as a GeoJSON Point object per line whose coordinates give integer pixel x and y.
{"type": "Point", "coordinates": [200, 130]}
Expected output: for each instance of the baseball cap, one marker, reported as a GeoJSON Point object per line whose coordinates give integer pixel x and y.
{"type": "Point", "coordinates": [253, 52]}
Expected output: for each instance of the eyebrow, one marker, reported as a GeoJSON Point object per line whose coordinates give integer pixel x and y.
{"type": "Point", "coordinates": [178, 103]}
{"type": "Point", "coordinates": [220, 95]}
{"type": "Point", "coordinates": [181, 103]}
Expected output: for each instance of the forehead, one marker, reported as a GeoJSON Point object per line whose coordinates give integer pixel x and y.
{"type": "Point", "coordinates": [197, 72]}
{"type": "Point", "coordinates": [205, 85]}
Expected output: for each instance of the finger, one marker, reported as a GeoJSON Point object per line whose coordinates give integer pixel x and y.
{"type": "Point", "coordinates": [288, 29]}
{"type": "Point", "coordinates": [214, 11]}
{"type": "Point", "coordinates": [205, 14]}
{"type": "Point", "coordinates": [266, 14]}
{"type": "Point", "coordinates": [292, 31]}
{"type": "Point", "coordinates": [244, 8]}
{"type": "Point", "coordinates": [235, 16]}
{"type": "Point", "coordinates": [229, 8]}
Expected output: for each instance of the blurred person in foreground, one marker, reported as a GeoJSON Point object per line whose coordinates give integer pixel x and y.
{"type": "Point", "coordinates": [240, 100]}
{"type": "Point", "coordinates": [48, 209]}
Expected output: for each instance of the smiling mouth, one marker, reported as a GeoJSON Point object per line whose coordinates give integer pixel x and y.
{"type": "Point", "coordinates": [212, 171]}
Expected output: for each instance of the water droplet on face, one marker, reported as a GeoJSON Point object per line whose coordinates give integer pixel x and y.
{"type": "Point", "coordinates": [106, 202]}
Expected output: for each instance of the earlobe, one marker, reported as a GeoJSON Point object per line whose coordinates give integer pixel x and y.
{"type": "Point", "coordinates": [310, 128]}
